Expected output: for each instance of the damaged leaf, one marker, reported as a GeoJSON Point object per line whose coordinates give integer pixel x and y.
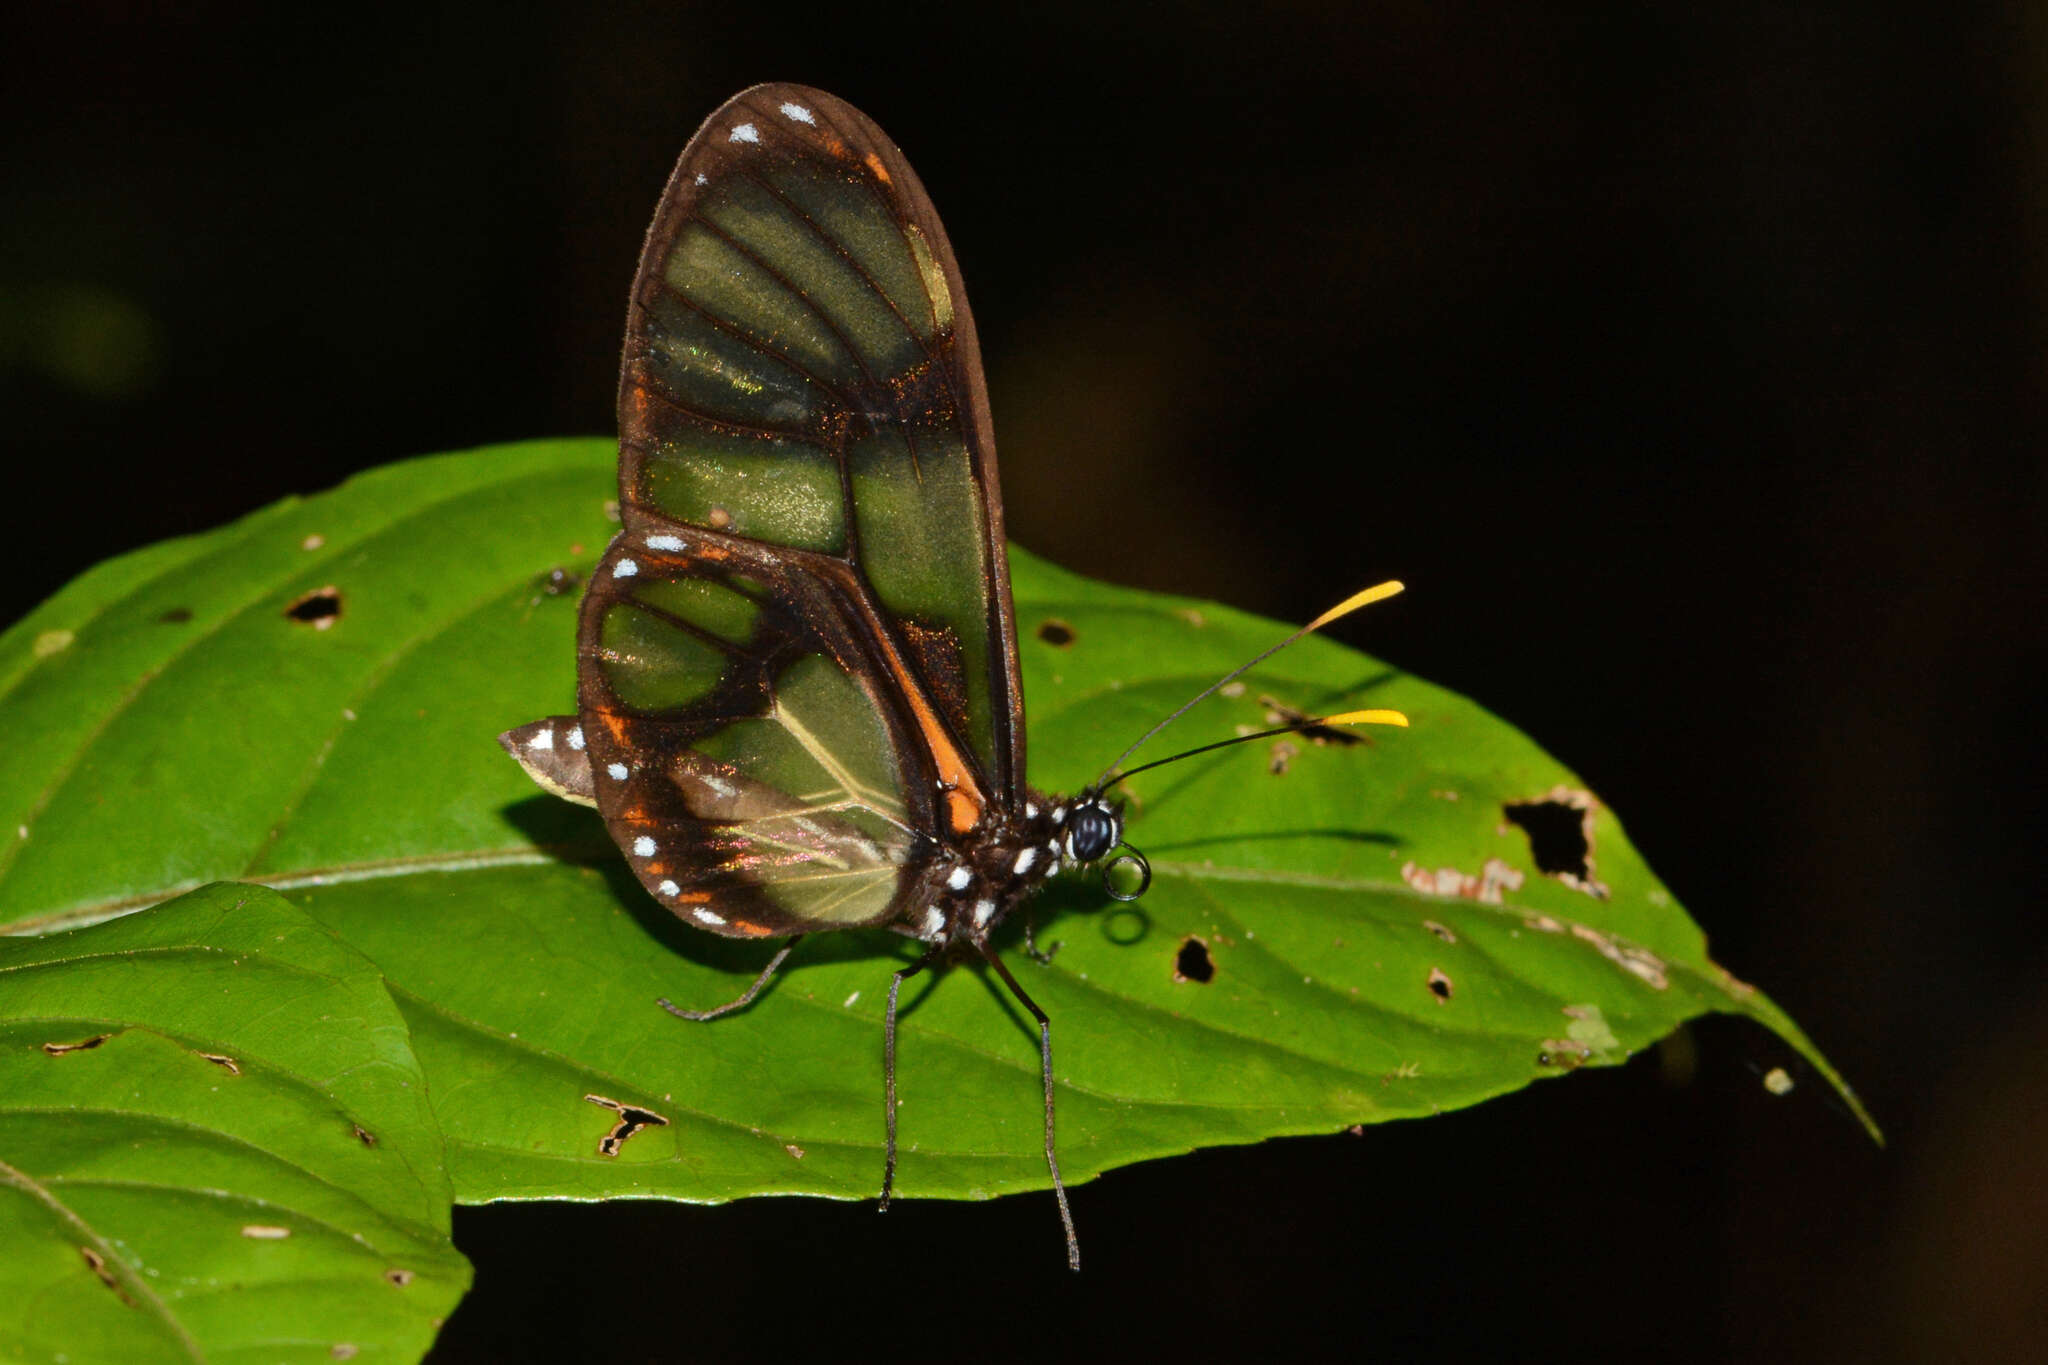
{"type": "Point", "coordinates": [163, 1205]}
{"type": "Point", "coordinates": [526, 960]}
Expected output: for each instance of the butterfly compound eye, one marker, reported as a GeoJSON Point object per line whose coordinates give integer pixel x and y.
{"type": "Point", "coordinates": [1095, 832]}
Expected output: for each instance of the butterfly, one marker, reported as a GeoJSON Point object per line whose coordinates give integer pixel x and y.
{"type": "Point", "coordinates": [798, 701]}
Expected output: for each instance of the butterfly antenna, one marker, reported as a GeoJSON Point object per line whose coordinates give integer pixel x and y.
{"type": "Point", "coordinates": [1377, 593]}
{"type": "Point", "coordinates": [1344, 718]}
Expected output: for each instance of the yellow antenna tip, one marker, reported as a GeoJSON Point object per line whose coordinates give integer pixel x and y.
{"type": "Point", "coordinates": [1378, 593]}
{"type": "Point", "coordinates": [1366, 718]}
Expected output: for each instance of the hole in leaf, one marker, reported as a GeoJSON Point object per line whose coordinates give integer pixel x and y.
{"type": "Point", "coordinates": [1056, 633]}
{"type": "Point", "coordinates": [1560, 830]}
{"type": "Point", "coordinates": [1193, 963]}
{"type": "Point", "coordinates": [364, 1135]}
{"type": "Point", "coordinates": [1440, 984]}
{"type": "Point", "coordinates": [225, 1063]}
{"type": "Point", "coordinates": [176, 616]}
{"type": "Point", "coordinates": [1442, 931]}
{"type": "Point", "coordinates": [266, 1232]}
{"type": "Point", "coordinates": [631, 1121]}
{"type": "Point", "coordinates": [82, 1045]}
{"type": "Point", "coordinates": [399, 1277]}
{"type": "Point", "coordinates": [319, 608]}
{"type": "Point", "coordinates": [1282, 755]}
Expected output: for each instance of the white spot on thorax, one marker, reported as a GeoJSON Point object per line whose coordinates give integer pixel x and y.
{"type": "Point", "coordinates": [934, 922]}
{"type": "Point", "coordinates": [1059, 816]}
{"type": "Point", "coordinates": [1030, 810]}
{"type": "Point", "coordinates": [983, 911]}
{"type": "Point", "coordinates": [670, 889]}
{"type": "Point", "coordinates": [706, 917]}
{"type": "Point", "coordinates": [625, 568]}
{"type": "Point", "coordinates": [576, 739]}
{"type": "Point", "coordinates": [541, 739]}
{"type": "Point", "coordinates": [617, 770]}
{"type": "Point", "coordinates": [746, 132]}
{"type": "Point", "coordinates": [643, 847]}
{"type": "Point", "coordinates": [960, 878]}
{"type": "Point", "coordinates": [665, 542]}
{"type": "Point", "coordinates": [1024, 861]}
{"type": "Point", "coordinates": [799, 113]}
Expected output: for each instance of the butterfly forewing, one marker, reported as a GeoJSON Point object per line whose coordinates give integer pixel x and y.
{"type": "Point", "coordinates": [798, 652]}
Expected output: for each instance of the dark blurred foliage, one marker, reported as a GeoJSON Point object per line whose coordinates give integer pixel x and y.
{"type": "Point", "coordinates": [1686, 360]}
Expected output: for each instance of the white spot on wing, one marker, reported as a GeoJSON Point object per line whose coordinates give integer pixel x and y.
{"type": "Point", "coordinates": [643, 847]}
{"type": "Point", "coordinates": [703, 179]}
{"type": "Point", "coordinates": [1030, 810]}
{"type": "Point", "coordinates": [674, 544]}
{"type": "Point", "coordinates": [706, 917]}
{"type": "Point", "coordinates": [960, 878]}
{"type": "Point", "coordinates": [670, 889]}
{"type": "Point", "coordinates": [717, 784]}
{"type": "Point", "coordinates": [541, 739]}
{"type": "Point", "coordinates": [625, 568]}
{"type": "Point", "coordinates": [745, 132]}
{"type": "Point", "coordinates": [1025, 860]}
{"type": "Point", "coordinates": [799, 113]}
{"type": "Point", "coordinates": [617, 770]}
{"type": "Point", "coordinates": [576, 739]}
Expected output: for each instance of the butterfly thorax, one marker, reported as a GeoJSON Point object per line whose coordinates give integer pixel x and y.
{"type": "Point", "coordinates": [970, 883]}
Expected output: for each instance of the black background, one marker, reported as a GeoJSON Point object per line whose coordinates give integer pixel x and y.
{"type": "Point", "coordinates": [1687, 361]}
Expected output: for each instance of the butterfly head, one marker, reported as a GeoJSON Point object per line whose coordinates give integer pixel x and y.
{"type": "Point", "coordinates": [1094, 827]}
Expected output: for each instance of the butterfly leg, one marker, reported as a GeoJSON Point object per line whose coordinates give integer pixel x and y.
{"type": "Point", "coordinates": [1052, 1161]}
{"type": "Point", "coordinates": [746, 999]}
{"type": "Point", "coordinates": [1031, 950]}
{"type": "Point", "coordinates": [889, 1065]}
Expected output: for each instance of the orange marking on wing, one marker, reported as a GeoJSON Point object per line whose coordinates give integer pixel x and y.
{"type": "Point", "coordinates": [963, 812]}
{"type": "Point", "coordinates": [964, 800]}
{"type": "Point", "coordinates": [875, 165]}
{"type": "Point", "coordinates": [615, 723]}
{"type": "Point", "coordinates": [752, 930]}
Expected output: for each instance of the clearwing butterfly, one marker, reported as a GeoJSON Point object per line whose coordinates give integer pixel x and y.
{"type": "Point", "coordinates": [798, 704]}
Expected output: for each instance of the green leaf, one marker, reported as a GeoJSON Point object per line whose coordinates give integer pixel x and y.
{"type": "Point", "coordinates": [1382, 939]}
{"type": "Point", "coordinates": [214, 1144]}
